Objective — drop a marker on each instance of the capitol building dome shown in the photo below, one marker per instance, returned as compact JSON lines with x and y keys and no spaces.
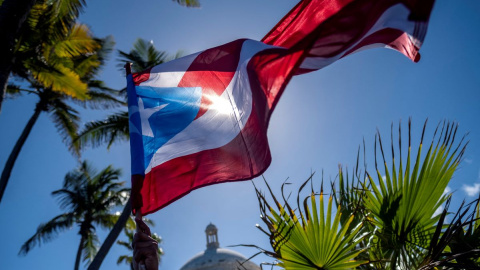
{"x":216,"y":258}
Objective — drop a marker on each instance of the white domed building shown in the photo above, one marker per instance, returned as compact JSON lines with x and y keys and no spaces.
{"x":216,"y":258}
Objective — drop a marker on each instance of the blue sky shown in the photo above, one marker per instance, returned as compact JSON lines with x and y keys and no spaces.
{"x":319,"y":122}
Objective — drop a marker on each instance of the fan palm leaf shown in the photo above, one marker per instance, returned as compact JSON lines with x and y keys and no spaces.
{"x":314,"y":238}
{"x":393,"y":218}
{"x":404,"y":202}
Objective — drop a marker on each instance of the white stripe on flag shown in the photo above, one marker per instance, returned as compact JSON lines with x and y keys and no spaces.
{"x":170,"y":74}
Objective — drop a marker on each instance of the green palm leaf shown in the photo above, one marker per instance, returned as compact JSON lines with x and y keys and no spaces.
{"x":63,"y":80}
{"x":65,"y":118}
{"x":114,"y":128}
{"x":143,"y":56}
{"x":404,"y":203}
{"x":77,"y":42}
{"x":316,"y":240}
{"x":188,"y":3}
{"x":387,"y":223}
{"x":90,"y":247}
{"x":47,"y":231}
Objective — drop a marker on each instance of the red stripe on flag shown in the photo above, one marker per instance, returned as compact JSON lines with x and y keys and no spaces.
{"x":302,"y":20}
{"x":213,"y":70}
{"x":327,"y":28}
{"x":270,"y":71}
{"x":140,"y":77}
{"x":394,"y":38}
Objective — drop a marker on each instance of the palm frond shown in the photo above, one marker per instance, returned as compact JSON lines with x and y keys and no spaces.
{"x":66,"y":119}
{"x":125,"y":258}
{"x":188,"y":3}
{"x":102,"y":100}
{"x":106,"y":220}
{"x":13,"y":91}
{"x":144,"y":55}
{"x":114,"y":128}
{"x":317,"y":241}
{"x":92,"y":195}
{"x":65,"y":11}
{"x":68,"y":198}
{"x":404,"y":202}
{"x":90,"y":247}
{"x":63,"y":81}
{"x":47,"y":231}
{"x":465,"y":244}
{"x":455,"y":244}
{"x":79,"y":41}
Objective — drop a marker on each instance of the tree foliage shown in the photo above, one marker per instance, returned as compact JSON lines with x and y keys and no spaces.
{"x":88,"y":198}
{"x":384,"y":220}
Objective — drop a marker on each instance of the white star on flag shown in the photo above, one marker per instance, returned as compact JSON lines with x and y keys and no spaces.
{"x":145,"y":115}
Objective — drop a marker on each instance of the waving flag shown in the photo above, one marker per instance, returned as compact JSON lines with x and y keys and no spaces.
{"x":202,"y":119}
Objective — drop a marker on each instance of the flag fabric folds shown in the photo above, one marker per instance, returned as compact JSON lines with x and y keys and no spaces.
{"x":202,"y":119}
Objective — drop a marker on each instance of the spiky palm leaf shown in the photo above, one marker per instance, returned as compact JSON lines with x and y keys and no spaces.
{"x":404,"y":202}
{"x":397,"y":212}
{"x":312,"y":239}
{"x":456,"y":244}
{"x":465,"y":242}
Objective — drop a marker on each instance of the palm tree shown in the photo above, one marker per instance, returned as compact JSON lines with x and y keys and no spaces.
{"x":13,"y":14}
{"x":87,"y":197}
{"x":59,"y":69}
{"x":129,"y":231}
{"x":389,"y":223}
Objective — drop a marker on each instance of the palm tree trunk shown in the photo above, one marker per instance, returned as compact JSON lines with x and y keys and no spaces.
{"x":7,"y":170}
{"x":112,"y":236}
{"x":79,"y":252}
{"x":13,"y":14}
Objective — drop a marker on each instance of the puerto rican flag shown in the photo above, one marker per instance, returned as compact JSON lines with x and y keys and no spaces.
{"x":202,"y":119}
